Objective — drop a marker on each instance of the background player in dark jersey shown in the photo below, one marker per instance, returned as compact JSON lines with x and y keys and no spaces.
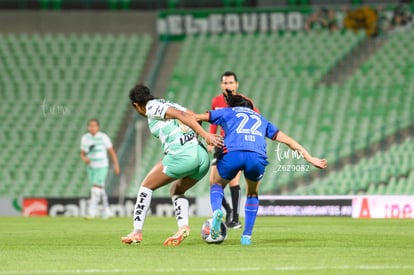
{"x":228,"y":81}
{"x":245,"y":149}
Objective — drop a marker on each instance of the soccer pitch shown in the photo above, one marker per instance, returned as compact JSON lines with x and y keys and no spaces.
{"x":44,"y":245}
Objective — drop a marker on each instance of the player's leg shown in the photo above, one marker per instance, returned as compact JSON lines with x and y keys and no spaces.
{"x":250,"y":210}
{"x":197,"y":167}
{"x":228,"y":167}
{"x":94,"y":201}
{"x":253,"y":172}
{"x":218,"y":154}
{"x":181,"y":207}
{"x":235,"y":200}
{"x":155,"y":179}
{"x":224,"y":203}
{"x":95,"y":192}
{"x":100,"y":177}
{"x":105,"y":202}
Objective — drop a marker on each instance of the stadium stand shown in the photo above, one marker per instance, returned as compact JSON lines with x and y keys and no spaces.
{"x":388,"y":172}
{"x":50,"y":85}
{"x":281,"y":72}
{"x":382,"y":105}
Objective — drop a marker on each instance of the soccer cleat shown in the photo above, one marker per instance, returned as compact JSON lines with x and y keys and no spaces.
{"x":132,"y":238}
{"x":234,"y":225}
{"x":178,"y":237}
{"x":216,"y":224}
{"x":245,"y":240}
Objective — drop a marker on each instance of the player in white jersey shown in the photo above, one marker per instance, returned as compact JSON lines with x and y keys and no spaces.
{"x":94,"y":148}
{"x":185,"y":160}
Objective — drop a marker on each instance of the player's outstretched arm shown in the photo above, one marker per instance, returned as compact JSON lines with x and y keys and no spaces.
{"x":213,"y":127}
{"x":294,"y":145}
{"x":190,"y":120}
{"x":202,"y":117}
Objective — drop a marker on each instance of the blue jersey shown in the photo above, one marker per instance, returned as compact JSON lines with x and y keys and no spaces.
{"x":245,"y":129}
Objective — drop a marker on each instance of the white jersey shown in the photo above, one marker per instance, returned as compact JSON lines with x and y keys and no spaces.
{"x":171,"y":132}
{"x":96,"y":148}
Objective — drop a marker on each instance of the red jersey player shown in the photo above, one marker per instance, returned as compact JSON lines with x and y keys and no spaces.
{"x":228,"y":81}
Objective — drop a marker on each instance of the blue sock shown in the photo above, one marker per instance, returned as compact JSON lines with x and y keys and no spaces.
{"x":250,"y":212}
{"x":216,"y":196}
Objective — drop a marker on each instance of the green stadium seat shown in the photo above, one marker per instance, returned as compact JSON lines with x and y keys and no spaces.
{"x":61,"y":71}
{"x":333,"y":121}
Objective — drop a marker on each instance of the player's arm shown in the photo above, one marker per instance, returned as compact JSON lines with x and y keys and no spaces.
{"x":114,"y":158}
{"x":213,"y":128}
{"x":187,"y":119}
{"x":84,"y":157}
{"x":204,"y":117}
{"x":294,"y":145}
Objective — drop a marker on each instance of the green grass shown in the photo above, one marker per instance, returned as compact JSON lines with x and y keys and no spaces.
{"x":280,"y":245}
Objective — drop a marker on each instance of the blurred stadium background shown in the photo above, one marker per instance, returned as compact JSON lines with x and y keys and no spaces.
{"x":338,"y":76}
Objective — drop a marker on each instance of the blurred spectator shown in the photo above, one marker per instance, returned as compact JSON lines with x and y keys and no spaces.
{"x":401,"y":19}
{"x":331,"y":22}
{"x":363,"y":18}
{"x":322,"y":19}
{"x":383,"y":21}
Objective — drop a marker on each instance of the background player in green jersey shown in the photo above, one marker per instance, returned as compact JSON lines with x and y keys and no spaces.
{"x":94,"y":148}
{"x":185,"y":160}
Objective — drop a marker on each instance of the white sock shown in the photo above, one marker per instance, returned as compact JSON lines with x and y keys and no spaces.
{"x":181,"y":206}
{"x":94,"y":201}
{"x":141,"y":207}
{"x":105,"y":203}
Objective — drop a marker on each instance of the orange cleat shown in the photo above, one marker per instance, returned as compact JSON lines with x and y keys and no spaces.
{"x":132,"y":238}
{"x":178,"y":237}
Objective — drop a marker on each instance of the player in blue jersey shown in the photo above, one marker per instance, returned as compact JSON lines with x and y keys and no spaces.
{"x":245,"y":149}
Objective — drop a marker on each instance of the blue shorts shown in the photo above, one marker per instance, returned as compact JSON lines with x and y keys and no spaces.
{"x":251,"y":163}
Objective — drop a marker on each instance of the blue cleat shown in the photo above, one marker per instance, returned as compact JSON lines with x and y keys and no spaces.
{"x":216,"y":224}
{"x":245,"y":240}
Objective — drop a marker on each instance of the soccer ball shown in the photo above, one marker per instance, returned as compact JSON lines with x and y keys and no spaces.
{"x":205,"y":233}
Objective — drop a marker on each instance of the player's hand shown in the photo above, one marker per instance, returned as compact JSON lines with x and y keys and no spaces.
{"x":214,"y":140}
{"x":116,"y":170}
{"x":87,"y":161}
{"x":319,"y":163}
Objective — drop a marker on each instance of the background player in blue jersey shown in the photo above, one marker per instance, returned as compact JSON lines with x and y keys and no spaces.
{"x":245,"y":149}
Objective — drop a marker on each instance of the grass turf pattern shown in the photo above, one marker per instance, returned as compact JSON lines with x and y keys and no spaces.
{"x":288,"y":245}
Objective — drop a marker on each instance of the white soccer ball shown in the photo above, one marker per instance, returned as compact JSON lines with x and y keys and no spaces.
{"x":205,"y":233}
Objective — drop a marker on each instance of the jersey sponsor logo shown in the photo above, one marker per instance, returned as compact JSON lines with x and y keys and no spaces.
{"x":186,"y":138}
